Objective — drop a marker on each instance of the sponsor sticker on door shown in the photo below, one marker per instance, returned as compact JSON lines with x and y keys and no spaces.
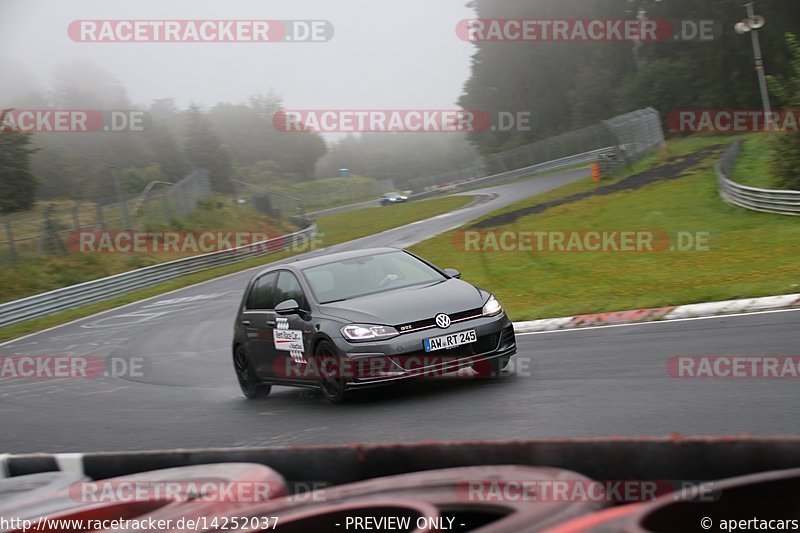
{"x":289,"y":340}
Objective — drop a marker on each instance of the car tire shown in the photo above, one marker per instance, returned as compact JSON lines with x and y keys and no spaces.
{"x":334,"y":388}
{"x":250,"y":384}
{"x":491,"y":368}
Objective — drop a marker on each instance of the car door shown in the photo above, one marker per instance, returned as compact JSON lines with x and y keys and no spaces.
{"x":294,"y":331}
{"x":258,"y":320}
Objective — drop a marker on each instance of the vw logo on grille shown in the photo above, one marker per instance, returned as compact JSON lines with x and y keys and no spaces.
{"x":443,"y":321}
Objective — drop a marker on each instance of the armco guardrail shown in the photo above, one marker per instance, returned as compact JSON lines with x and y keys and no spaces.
{"x":97,"y":290}
{"x":101,"y":289}
{"x":770,"y":201}
{"x":343,"y":208}
{"x":549,"y":166}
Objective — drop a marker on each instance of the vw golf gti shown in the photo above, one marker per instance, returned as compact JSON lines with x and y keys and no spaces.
{"x":364,"y":318}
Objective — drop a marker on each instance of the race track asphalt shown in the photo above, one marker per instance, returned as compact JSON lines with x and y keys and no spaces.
{"x":600,"y":381}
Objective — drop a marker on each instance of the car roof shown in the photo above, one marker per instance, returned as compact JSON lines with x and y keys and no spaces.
{"x":299,"y":264}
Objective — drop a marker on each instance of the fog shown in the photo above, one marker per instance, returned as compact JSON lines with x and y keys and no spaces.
{"x":383,"y":54}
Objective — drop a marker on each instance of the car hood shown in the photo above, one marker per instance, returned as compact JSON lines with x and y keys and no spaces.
{"x":402,"y":306}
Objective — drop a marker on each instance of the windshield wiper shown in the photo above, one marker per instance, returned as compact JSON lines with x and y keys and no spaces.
{"x":334,"y":301}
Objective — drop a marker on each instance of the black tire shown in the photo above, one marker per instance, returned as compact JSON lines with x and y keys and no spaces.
{"x":332,"y":385}
{"x":250,"y":384}
{"x":491,"y":368}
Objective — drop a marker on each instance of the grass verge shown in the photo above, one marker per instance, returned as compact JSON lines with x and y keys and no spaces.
{"x":350,"y":225}
{"x":754,"y":165}
{"x":749,"y":254}
{"x":336,"y":228}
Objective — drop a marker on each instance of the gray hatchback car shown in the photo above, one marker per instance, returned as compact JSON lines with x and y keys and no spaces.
{"x":365,"y":318}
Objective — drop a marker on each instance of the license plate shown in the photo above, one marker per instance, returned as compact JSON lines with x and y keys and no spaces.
{"x":450,"y":341}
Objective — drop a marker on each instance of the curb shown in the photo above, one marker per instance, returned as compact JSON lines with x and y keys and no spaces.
{"x":707,"y":309}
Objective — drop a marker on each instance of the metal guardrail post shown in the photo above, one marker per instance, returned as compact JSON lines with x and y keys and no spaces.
{"x":782,"y":202}
{"x":81,"y":294}
{"x":104,"y":288}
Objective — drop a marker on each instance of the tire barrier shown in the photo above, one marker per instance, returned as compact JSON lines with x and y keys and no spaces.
{"x":391,"y":515}
{"x":472,"y":496}
{"x":33,"y":487}
{"x":606,"y":521}
{"x":173,"y":491}
{"x":407,"y":483}
{"x":771,"y":495}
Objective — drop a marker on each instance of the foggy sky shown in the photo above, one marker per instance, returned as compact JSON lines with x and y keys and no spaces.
{"x":384,"y":55}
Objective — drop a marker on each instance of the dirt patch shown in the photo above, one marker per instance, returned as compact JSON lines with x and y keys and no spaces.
{"x":673,"y":169}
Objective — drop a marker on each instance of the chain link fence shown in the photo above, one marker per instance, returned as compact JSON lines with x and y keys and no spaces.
{"x":45,"y":229}
{"x":629,"y":135}
{"x":160,"y":205}
{"x":314,"y":196}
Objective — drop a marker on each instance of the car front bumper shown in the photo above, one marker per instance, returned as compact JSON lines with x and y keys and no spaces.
{"x":404,"y":357}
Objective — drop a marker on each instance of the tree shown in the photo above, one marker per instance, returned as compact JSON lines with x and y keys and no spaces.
{"x":568,"y":85}
{"x":135,"y":179}
{"x":203,"y":149}
{"x":249,"y":132}
{"x":17,"y":182}
{"x":786,"y":145}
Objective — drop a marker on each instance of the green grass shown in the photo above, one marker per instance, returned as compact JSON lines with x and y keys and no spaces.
{"x":336,"y":228}
{"x":753,"y":167}
{"x":751,"y":254}
{"x":467,"y":187}
{"x":332,"y":192}
{"x":33,"y":275}
{"x":673,"y":149}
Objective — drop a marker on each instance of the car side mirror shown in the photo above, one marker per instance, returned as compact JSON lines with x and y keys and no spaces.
{"x":453,"y":273}
{"x":287,"y":307}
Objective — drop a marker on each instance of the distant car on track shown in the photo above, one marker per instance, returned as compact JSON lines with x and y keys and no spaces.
{"x":391,"y":198}
{"x":364,"y":318}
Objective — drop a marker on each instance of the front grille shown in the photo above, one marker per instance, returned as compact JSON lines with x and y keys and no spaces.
{"x":431,"y":322}
{"x":487,"y":343}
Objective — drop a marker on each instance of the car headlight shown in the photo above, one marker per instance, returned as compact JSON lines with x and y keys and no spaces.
{"x":368,"y":332}
{"x":492,"y":307}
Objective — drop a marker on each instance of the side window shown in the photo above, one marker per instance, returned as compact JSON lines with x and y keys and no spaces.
{"x":262,"y":294}
{"x":288,"y":288}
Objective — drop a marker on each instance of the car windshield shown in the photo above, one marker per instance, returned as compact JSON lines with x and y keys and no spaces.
{"x":351,"y":278}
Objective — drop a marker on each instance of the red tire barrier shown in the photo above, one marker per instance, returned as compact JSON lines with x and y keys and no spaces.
{"x":116,"y":511}
{"x":605,"y":521}
{"x":199,"y":488}
{"x":473,"y":496}
{"x":390,"y":514}
{"x":771,"y":495}
{"x":16,"y":491}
